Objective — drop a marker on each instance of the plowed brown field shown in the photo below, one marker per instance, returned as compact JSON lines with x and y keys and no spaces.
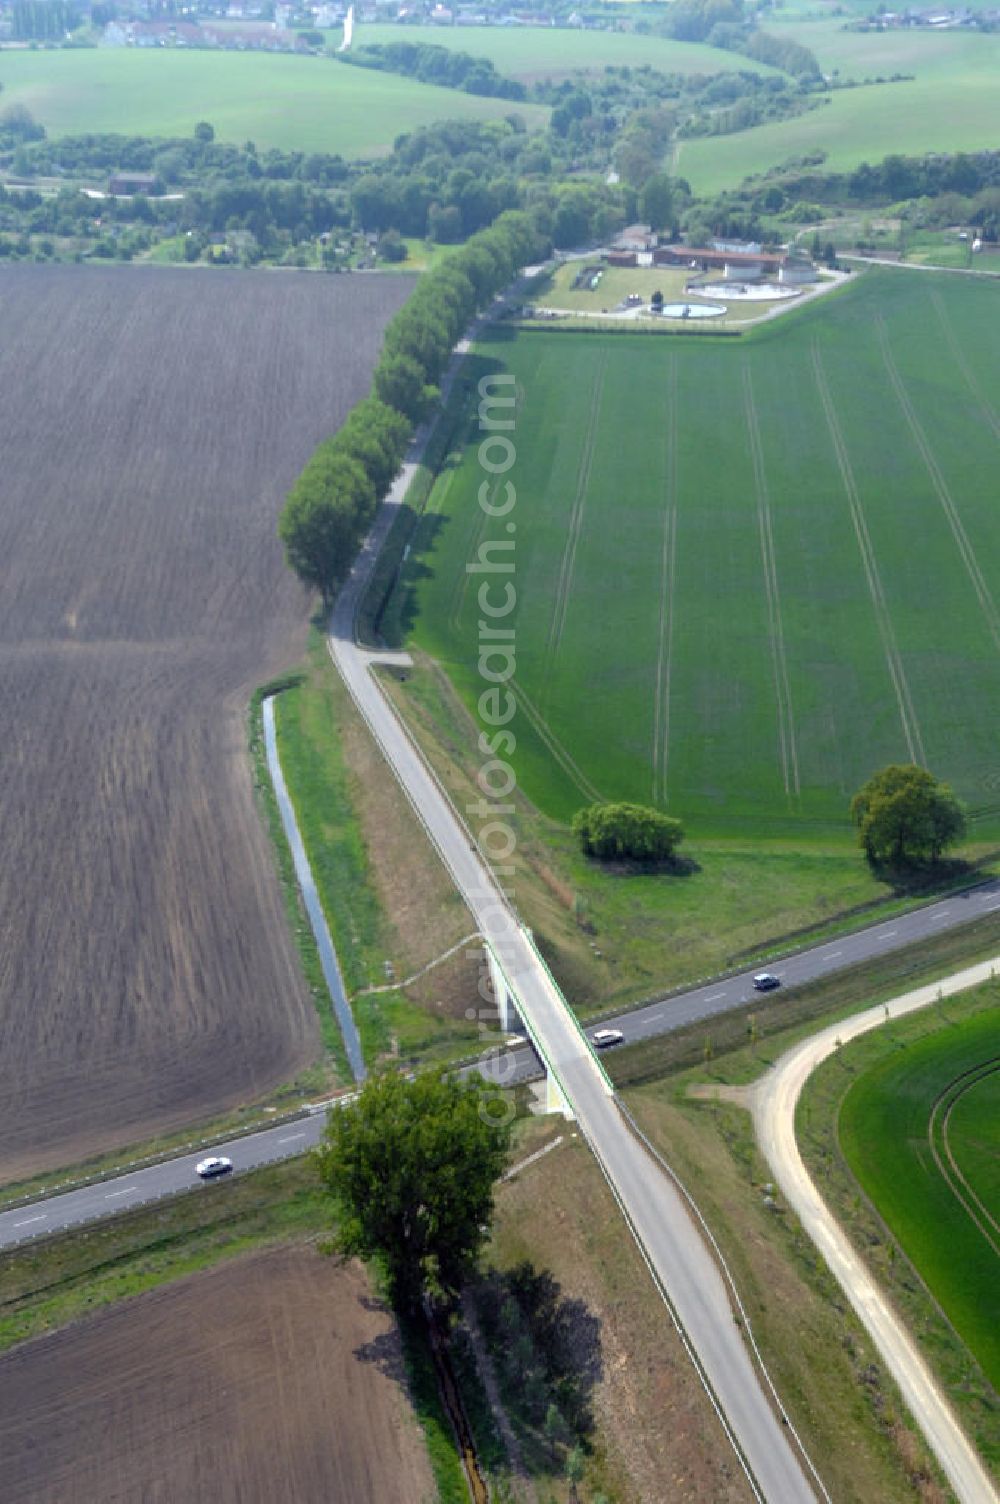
{"x":274,"y":1377}
{"x":150,"y":423}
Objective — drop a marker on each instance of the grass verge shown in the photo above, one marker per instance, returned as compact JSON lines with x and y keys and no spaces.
{"x":770,"y":1025}
{"x":297,"y":918}
{"x":618,"y":937}
{"x":826,"y":1370}
{"x":56,"y":1280}
{"x":389,"y":904}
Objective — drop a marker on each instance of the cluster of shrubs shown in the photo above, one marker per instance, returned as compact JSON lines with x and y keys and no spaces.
{"x":331,"y":505}
{"x":627,"y":832}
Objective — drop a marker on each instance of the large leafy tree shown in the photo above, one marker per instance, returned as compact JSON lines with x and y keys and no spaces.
{"x":411,"y":1165}
{"x":325,"y":517}
{"x":904,"y":814}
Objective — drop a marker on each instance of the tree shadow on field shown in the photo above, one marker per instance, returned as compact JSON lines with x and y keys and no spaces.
{"x":547,"y":1352}
{"x":913,"y":878}
{"x":384,"y":1352}
{"x":395,"y":613}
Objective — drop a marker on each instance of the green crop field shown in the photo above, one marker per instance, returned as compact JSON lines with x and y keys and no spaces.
{"x":952,"y":104}
{"x":535,"y":52}
{"x":748,"y":571}
{"x":303,"y":103}
{"x":921,"y":1131}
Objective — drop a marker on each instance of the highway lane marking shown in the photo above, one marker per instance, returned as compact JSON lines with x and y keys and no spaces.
{"x":888,"y":934}
{"x":28,"y":1220}
{"x":834,"y":954}
{"x":291,"y":1137}
{"x":129,"y":1190}
{"x":714,"y":998}
{"x":654,"y":1018}
{"x":935,"y":918}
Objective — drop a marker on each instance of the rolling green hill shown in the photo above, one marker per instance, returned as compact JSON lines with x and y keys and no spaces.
{"x":305,"y":103}
{"x":953,"y":104}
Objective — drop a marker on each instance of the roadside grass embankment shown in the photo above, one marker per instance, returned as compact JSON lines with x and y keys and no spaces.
{"x":389,"y":904}
{"x":57,"y":1280}
{"x":617,"y":937}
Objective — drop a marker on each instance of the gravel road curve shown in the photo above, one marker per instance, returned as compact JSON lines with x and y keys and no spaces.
{"x":775,"y":1098}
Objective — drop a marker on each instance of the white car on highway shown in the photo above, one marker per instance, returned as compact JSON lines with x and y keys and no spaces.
{"x":602,"y":1038}
{"x":216,"y":1165}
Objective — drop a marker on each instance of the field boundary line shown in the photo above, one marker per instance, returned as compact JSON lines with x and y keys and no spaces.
{"x":564,"y":758}
{"x":963,"y":365}
{"x":883,"y":618}
{"x":564,"y":586}
{"x":963,"y":1192}
{"x":779,"y":661}
{"x":668,"y":571}
{"x":962,"y":540}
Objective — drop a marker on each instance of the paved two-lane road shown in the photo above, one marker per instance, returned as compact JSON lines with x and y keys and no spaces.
{"x":90,"y":1203}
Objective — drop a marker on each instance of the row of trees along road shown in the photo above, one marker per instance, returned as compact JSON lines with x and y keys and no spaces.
{"x":330,"y":507}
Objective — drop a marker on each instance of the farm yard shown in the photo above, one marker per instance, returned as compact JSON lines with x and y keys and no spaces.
{"x":748,"y":572}
{"x":919,"y":1129}
{"x":300,"y":103}
{"x":152,"y":421}
{"x":172,"y":1395}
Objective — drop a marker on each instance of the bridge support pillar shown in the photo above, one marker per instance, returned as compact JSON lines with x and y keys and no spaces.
{"x":554,"y":1099}
{"x":509,"y":1020}
{"x":506,"y":1010}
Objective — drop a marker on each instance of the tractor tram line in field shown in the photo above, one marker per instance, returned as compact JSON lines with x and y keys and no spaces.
{"x":564,"y":587}
{"x":962,"y":540}
{"x":779,"y":661}
{"x":985,"y":407}
{"x":668,"y":571}
{"x":893,"y":658}
{"x":948,"y":1168}
{"x":544,"y":732}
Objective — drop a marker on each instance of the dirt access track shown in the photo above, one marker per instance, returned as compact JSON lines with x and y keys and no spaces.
{"x":270,"y":1377}
{"x":151,"y":422}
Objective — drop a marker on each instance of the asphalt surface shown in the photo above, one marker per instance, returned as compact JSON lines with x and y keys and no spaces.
{"x":90,"y":1203}
{"x":774,"y":1098}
